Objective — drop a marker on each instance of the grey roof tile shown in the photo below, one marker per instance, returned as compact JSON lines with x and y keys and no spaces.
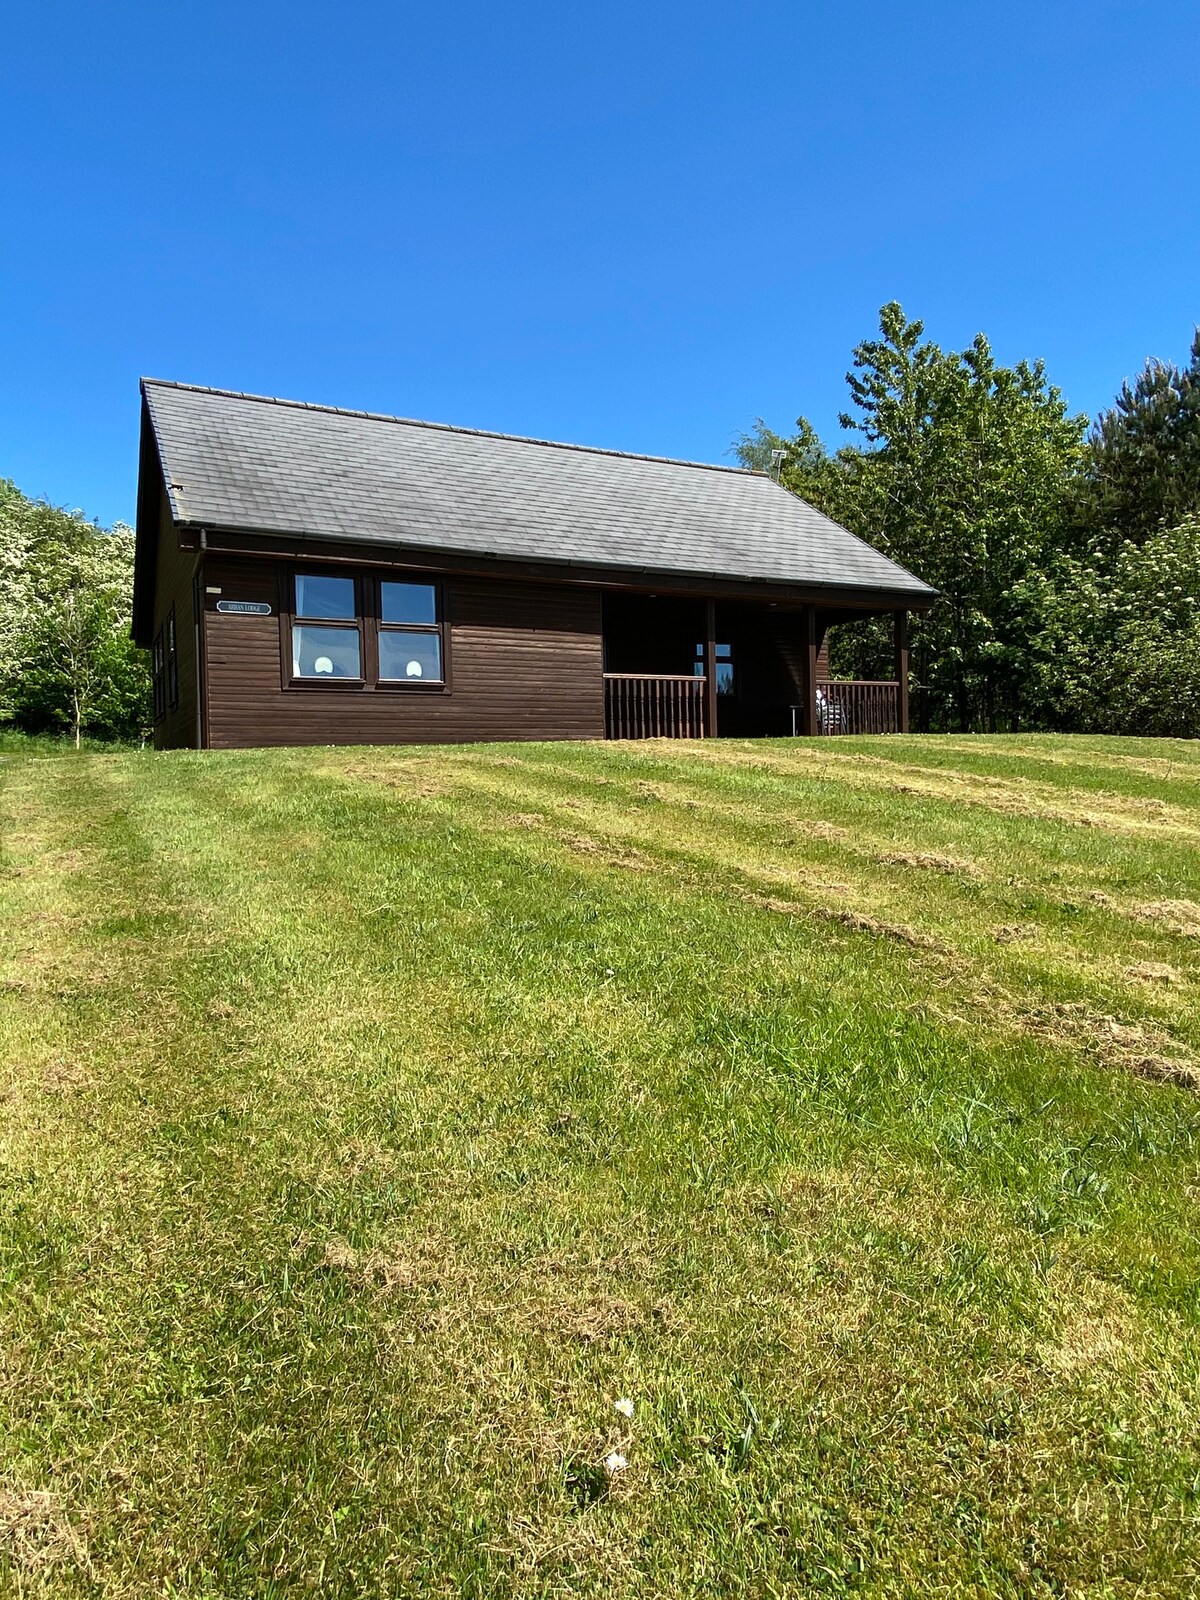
{"x":278,"y":466}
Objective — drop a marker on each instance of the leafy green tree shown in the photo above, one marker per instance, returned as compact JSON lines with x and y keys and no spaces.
{"x":67,"y":662}
{"x":961,"y":479}
{"x":801,"y":463}
{"x":1143,"y":461}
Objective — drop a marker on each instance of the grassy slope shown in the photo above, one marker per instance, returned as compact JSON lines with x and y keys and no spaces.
{"x":372,"y":1120}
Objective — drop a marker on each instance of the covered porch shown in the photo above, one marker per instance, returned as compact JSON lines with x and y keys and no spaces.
{"x":687,"y":667}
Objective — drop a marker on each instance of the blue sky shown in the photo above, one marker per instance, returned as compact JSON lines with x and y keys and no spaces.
{"x":637,"y":225}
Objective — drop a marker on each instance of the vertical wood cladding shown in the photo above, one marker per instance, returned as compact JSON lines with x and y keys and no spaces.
{"x":523,"y":662}
{"x":173,"y":586}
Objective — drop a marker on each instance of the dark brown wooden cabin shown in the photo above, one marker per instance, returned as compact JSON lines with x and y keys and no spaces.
{"x":313,"y":576}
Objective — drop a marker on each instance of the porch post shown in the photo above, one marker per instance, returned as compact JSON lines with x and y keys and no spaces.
{"x":710,"y":669}
{"x":808,"y":672}
{"x":901,"y":644}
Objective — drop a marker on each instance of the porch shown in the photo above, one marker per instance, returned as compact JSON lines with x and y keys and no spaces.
{"x":682,"y":668}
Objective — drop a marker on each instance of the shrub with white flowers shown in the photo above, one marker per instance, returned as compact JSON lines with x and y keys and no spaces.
{"x":1119,"y":650}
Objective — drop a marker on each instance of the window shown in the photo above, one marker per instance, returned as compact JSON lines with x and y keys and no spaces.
{"x":410,"y":635}
{"x":172,"y":684}
{"x":158,"y":669}
{"x":165,"y":668}
{"x":326,"y":631}
{"x":724,"y":667}
{"x":320,"y":596}
{"x":414,"y":603}
{"x":373,"y":634}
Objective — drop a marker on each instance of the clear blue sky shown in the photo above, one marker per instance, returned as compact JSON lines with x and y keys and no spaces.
{"x":636,"y":224}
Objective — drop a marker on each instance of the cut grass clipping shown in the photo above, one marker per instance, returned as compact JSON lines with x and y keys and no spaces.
{"x":375,"y":1121}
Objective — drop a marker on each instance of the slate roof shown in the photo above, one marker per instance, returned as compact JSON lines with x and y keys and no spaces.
{"x":252,"y":464}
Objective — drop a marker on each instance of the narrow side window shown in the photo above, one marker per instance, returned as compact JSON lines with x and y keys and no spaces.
{"x":172,"y":663}
{"x":158,"y":669}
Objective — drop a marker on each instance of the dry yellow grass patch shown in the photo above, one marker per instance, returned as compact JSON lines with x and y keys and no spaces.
{"x":418,"y":780}
{"x":612,"y":854}
{"x":855,"y":921}
{"x":425,"y":1264}
{"x":1088,"y":1341}
{"x":1177,"y":916}
{"x":931,"y":862}
{"x":553,"y":1296}
{"x":1097,"y":1328}
{"x":860,"y":922}
{"x":65,"y":1077}
{"x":907,"y":1200}
{"x":1126,"y":1046}
{"x":1154,"y":972}
{"x":36,"y":1532}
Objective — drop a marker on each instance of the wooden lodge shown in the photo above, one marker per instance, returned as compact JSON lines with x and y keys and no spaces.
{"x":313,"y":576}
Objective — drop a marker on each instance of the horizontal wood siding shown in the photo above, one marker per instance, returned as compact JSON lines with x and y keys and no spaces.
{"x":173,"y":586}
{"x":523,"y":662}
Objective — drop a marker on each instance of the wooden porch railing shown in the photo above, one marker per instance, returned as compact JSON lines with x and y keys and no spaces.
{"x":639,"y":705}
{"x":862,"y":705}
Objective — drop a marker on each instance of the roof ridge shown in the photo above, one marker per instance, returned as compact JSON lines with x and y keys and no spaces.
{"x":450,"y":427}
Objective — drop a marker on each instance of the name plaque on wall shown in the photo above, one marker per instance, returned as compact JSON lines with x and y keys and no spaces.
{"x":244,"y":608}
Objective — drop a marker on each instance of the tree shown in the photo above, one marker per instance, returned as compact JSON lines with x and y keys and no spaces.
{"x":1143,"y":460}
{"x":962,"y":480}
{"x":16,"y":596}
{"x":801,"y":463}
{"x":67,"y":661}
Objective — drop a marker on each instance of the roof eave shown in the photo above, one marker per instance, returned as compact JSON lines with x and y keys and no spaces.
{"x":857,"y":537}
{"x":888,"y":597}
{"x":146,"y":530}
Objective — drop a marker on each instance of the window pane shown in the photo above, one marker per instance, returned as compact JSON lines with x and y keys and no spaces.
{"x":324,"y":597}
{"x":410,"y":655}
{"x":408,"y":602}
{"x":724,"y":674}
{"x":325,"y":652}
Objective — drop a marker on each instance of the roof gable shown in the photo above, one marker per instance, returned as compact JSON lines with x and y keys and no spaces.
{"x":246,"y":463}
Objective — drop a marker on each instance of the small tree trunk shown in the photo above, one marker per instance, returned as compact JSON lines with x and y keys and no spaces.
{"x":77,"y":718}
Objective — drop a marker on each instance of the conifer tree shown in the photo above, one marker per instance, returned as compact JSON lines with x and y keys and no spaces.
{"x":1143,"y":465}
{"x":962,"y":481}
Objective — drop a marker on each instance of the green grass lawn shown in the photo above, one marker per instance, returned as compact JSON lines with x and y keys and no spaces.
{"x":372,"y":1121}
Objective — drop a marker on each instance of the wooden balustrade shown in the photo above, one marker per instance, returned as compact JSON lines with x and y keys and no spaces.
{"x":862,"y":705}
{"x":647,"y":705}
{"x":639,"y":705}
